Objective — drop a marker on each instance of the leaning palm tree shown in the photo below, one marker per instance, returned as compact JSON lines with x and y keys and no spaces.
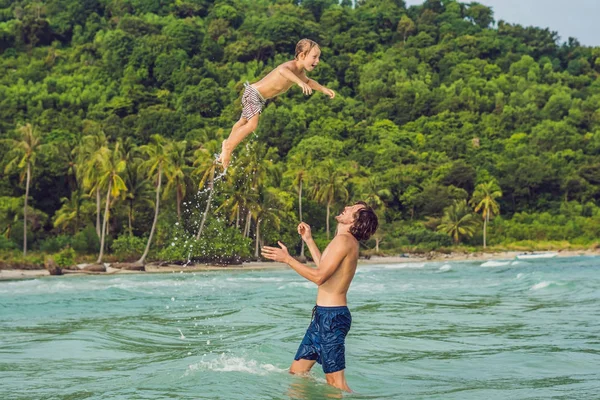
{"x":299,"y":172}
{"x":22,"y":157}
{"x":111,"y":166}
{"x":157,"y":162}
{"x":458,"y":221}
{"x":484,"y":199}
{"x":330,"y":186}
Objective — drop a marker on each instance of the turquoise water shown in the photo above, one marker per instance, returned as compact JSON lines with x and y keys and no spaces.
{"x":463,"y":330}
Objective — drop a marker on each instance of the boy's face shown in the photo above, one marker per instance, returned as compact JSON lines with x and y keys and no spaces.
{"x":311,"y":60}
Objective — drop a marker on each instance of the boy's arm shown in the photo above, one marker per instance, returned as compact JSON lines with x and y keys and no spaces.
{"x":317,"y":86}
{"x":288,"y":74}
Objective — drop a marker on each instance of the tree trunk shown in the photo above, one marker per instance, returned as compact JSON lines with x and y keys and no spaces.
{"x":256,"y":246}
{"x":327,"y":224}
{"x":210,"y":194}
{"x":130,"y":217}
{"x":377,"y":240}
{"x":237,"y":218}
{"x":104,"y":223}
{"x":98,"y":200}
{"x":147,"y":249}
{"x":25,"y":209}
{"x":178,"y":204}
{"x":485,"y":221}
{"x":300,"y":215}
{"x":248,"y":222}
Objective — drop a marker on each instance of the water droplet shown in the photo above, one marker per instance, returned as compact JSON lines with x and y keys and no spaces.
{"x":208,"y":342}
{"x":172,"y":298}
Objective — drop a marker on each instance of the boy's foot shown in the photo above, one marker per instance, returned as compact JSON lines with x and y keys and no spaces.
{"x":225,"y":157}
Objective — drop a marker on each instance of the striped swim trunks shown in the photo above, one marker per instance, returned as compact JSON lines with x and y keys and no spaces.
{"x":252,"y":102}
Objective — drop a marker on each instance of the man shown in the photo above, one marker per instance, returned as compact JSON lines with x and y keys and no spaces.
{"x":324,"y":339}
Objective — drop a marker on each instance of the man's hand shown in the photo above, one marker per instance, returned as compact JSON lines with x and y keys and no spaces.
{"x":305,"y":88}
{"x":275,"y":253}
{"x":304,"y":231}
{"x":329,"y":92}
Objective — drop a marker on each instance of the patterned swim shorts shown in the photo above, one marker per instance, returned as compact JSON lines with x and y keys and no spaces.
{"x":252,"y":102}
{"x":325,"y":338}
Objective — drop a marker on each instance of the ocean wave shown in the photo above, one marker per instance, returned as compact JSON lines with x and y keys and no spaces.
{"x":306,"y":285}
{"x":263,"y":279}
{"x":225,"y":363}
{"x":541,"y":285}
{"x":408,"y":265}
{"x":445,"y":268}
{"x":495,"y":264}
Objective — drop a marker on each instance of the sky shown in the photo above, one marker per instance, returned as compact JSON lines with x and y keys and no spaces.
{"x":575,"y":18}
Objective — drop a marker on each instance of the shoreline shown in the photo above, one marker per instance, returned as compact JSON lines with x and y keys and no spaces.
{"x":155,"y":268}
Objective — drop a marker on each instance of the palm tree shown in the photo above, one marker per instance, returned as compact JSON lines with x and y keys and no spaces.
{"x":111,"y":166}
{"x":484,"y":199}
{"x":157,"y":162}
{"x":268,"y":210}
{"x":372,"y":190}
{"x":89,"y":168}
{"x":177,"y":172}
{"x":458,"y":221}
{"x":139,"y":189}
{"x":70,"y":212}
{"x":205,"y":168}
{"x":299,"y":173}
{"x":22,"y":157}
{"x":330,"y":186}
{"x":255,"y":167}
{"x":237,"y":195}
{"x":10,"y":211}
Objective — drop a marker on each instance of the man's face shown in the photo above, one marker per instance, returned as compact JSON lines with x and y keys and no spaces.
{"x":348,"y":214}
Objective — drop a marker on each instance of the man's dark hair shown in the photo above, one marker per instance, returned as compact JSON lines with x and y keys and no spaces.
{"x":365,"y":224}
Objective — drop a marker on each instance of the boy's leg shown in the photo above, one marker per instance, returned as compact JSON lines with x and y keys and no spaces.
{"x":238,"y":133}
{"x":338,"y":379}
{"x":301,"y":366}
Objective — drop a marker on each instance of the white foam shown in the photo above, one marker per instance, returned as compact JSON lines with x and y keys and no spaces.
{"x":541,"y":285}
{"x":306,"y":285}
{"x":408,"y":265}
{"x":520,"y":275}
{"x":265,"y":279}
{"x":226,"y":363}
{"x":495,"y":263}
{"x":445,"y":268}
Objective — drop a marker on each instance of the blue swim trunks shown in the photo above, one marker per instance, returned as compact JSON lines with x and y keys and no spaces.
{"x":325,"y":337}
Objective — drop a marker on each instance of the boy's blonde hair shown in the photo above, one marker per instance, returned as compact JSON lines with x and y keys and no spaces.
{"x":304,"y":46}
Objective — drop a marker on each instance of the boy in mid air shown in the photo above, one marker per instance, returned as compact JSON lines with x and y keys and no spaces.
{"x":275,"y":83}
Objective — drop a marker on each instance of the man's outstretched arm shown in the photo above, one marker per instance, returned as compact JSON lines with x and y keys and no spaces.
{"x":338,"y":249}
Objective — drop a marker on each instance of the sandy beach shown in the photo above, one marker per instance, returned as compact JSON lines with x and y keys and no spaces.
{"x":10,"y":274}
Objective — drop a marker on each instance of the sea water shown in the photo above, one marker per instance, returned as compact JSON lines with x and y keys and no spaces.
{"x":461,"y":330}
